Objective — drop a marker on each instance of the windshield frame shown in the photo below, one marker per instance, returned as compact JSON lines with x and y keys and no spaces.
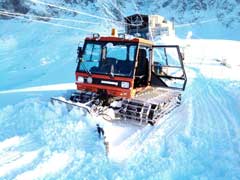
{"x":103,"y":43}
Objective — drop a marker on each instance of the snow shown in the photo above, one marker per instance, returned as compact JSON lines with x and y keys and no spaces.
{"x":38,"y":140}
{"x":57,"y":162}
{"x":15,"y":161}
{"x":55,"y":87}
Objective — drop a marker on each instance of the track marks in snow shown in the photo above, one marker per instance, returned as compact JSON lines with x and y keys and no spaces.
{"x":225,"y":130}
{"x":201,"y":136}
{"x":230,"y":118}
{"x":214,"y":128}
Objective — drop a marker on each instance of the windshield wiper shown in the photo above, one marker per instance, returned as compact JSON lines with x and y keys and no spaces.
{"x":112,"y":71}
{"x":86,"y":70}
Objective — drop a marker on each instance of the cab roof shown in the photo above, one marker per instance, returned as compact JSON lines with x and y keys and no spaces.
{"x":120,"y":39}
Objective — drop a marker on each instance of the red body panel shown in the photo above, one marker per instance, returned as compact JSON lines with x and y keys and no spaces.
{"x":111,"y":90}
{"x":117,"y":39}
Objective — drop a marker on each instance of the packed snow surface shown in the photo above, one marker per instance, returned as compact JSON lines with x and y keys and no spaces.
{"x":38,"y":140}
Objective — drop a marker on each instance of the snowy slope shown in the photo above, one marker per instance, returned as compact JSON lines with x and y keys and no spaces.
{"x":198,"y":140}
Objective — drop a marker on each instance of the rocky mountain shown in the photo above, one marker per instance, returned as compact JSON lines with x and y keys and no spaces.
{"x":182,"y":11}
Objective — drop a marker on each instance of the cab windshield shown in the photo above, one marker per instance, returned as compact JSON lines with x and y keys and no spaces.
{"x":108,"y":58}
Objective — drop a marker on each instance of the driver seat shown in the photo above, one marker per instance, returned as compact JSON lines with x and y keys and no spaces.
{"x":141,"y":74}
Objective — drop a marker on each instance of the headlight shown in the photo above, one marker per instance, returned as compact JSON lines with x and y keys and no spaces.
{"x":89,"y":80}
{"x":125,"y":84}
{"x":80,"y":79}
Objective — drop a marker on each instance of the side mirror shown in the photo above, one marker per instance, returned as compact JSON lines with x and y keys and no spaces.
{"x":79,"y":52}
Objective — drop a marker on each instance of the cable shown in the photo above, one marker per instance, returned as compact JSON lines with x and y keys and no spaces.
{"x":44,"y":22}
{"x":124,"y":16}
{"x":134,"y":3}
{"x":118,"y":8}
{"x":48,"y":17}
{"x":141,"y":19}
{"x":190,"y":24}
{"x":79,"y":12}
{"x":75,"y":11}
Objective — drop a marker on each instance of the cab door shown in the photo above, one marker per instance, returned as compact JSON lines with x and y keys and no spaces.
{"x":167,"y":67}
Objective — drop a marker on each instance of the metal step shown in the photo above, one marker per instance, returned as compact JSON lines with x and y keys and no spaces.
{"x":147,"y":111}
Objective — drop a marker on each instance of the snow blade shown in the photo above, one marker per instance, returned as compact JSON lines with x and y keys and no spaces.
{"x":70,"y":104}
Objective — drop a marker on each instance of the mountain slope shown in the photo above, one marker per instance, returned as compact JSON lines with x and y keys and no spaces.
{"x":38,"y":140}
{"x":226,"y":11}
